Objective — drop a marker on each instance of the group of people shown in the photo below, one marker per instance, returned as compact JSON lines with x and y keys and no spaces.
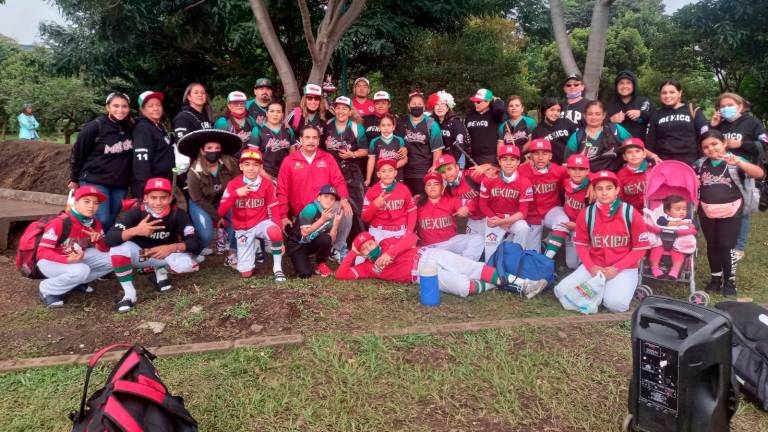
{"x":350,"y":181}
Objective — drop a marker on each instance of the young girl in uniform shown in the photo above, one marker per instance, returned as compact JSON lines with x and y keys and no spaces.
{"x":632,"y":175}
{"x":274,"y":140}
{"x":386,"y":146}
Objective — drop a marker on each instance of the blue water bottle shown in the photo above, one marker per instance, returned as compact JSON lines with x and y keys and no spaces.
{"x":429,"y":289}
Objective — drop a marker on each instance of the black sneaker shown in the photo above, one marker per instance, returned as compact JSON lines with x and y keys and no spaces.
{"x":160,"y":286}
{"x":261,"y":257}
{"x":83,"y":288}
{"x":729,"y":288}
{"x":52,"y":301}
{"x":124,"y":305}
{"x":715,"y":284}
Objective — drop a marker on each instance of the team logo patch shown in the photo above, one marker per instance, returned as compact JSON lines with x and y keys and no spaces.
{"x":189,"y":230}
{"x":491,"y":237}
{"x":242,"y":239}
{"x":50,"y":235}
{"x":644,"y":237}
{"x":322,"y":164}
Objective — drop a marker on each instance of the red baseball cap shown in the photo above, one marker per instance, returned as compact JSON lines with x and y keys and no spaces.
{"x":445,"y":159}
{"x":360,"y":240}
{"x":252,"y":154}
{"x":158,"y":184}
{"x":577,"y":161}
{"x":604,"y":175}
{"x":433,"y":175}
{"x":88,"y":190}
{"x":381,"y":162}
{"x":632,"y":142}
{"x":540,"y":144}
{"x":508,"y":150}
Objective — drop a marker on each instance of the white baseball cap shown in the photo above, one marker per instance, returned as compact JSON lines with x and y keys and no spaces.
{"x":381,"y":95}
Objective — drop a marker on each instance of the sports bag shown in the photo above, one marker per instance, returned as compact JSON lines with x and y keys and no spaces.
{"x":749,"y":349}
{"x":511,"y":260}
{"x":133,"y":399}
{"x":26,"y":254}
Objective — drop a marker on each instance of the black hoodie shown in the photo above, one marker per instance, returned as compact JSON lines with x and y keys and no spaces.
{"x":638,"y":127}
{"x":189,"y":120}
{"x":102,"y":153}
{"x":751,"y":132}
{"x":153,"y":154}
{"x":483,"y":131}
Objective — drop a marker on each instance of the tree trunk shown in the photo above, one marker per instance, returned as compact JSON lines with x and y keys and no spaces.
{"x":593,"y":68}
{"x":561,"y":37}
{"x":68,"y":136}
{"x":276,"y":52}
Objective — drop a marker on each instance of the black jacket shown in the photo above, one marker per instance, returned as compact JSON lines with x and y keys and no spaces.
{"x":153,"y":154}
{"x":638,"y":127}
{"x":556,"y":133}
{"x":673,"y":133}
{"x":751,"y":132}
{"x":189,"y":120}
{"x":102,"y":153}
{"x":177,"y":227}
{"x":454,"y":133}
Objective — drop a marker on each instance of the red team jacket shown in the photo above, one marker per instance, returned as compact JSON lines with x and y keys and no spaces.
{"x":436,"y":221}
{"x":402,"y":249}
{"x":546,"y":189}
{"x":609,"y":243}
{"x":299,"y":181}
{"x":47,"y":248}
{"x":400,"y":209}
{"x":632,"y":188}
{"x":505,"y":199}
{"x":250,"y":210}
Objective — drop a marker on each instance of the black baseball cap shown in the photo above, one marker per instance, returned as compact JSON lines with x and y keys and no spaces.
{"x":329,"y":190}
{"x":263,"y":82}
{"x":575,"y":76}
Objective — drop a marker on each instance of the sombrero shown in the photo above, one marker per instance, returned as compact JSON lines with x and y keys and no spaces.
{"x":190,"y":144}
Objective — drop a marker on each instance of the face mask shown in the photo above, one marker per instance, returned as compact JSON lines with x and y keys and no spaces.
{"x":212,"y":156}
{"x":729,"y":112}
{"x":374,"y":254}
{"x":573,"y":95}
{"x":416,"y":111}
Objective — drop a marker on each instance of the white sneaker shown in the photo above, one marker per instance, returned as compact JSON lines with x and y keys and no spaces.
{"x":528,"y":287}
{"x":231,"y":261}
{"x":206,"y":251}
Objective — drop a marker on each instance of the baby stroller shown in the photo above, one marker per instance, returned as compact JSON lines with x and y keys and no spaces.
{"x":672,"y":178}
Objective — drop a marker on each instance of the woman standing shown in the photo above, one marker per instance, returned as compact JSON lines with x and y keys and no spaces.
{"x":675,"y":128}
{"x":312,"y":110}
{"x":28,"y":124}
{"x":274,"y":140}
{"x":424,"y":142}
{"x":745,"y":137}
{"x":212,"y":168}
{"x":235,"y":118}
{"x":102,"y":156}
{"x":482,"y":124}
{"x":553,"y":128}
{"x":152,"y":146}
{"x":455,"y":136}
{"x":517,"y":129}
{"x":598,"y":141}
{"x":195,"y":114}
{"x":721,"y":206}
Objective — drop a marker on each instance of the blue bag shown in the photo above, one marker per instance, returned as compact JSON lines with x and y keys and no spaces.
{"x":511,"y":259}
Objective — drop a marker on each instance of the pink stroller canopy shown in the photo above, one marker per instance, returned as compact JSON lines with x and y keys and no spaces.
{"x":672,"y":177}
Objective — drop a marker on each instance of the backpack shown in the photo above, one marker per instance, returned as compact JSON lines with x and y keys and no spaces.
{"x":749,"y":188}
{"x":26,"y":254}
{"x":626,"y":210}
{"x":749,"y":348}
{"x":511,"y":259}
{"x":133,"y":399}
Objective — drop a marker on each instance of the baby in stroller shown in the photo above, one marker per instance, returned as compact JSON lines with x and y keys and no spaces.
{"x":672,"y":233}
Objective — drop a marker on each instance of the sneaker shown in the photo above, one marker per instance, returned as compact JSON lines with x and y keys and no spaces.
{"x":246,"y":275}
{"x":160,"y":286}
{"x":280,"y":276}
{"x":261,"y":257}
{"x":198,"y":259}
{"x":531,"y":288}
{"x":715,"y":284}
{"x":338,"y":255}
{"x":206,"y":252}
{"x":729,"y":288}
{"x":231,"y":261}
{"x":323,"y":270}
{"x":52,"y":301}
{"x":124,"y":305}
{"x":736,"y":255}
{"x":83,"y":288}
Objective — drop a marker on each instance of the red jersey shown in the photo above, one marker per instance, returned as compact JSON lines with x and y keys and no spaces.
{"x":632,"y":188}
{"x":546,"y":189}
{"x":399,"y":208}
{"x":502,"y":199}
{"x":78,"y":234}
{"x":609,"y":243}
{"x":249,"y":210}
{"x":299,"y":181}
{"x":574,"y":201}
{"x":467,"y":189}
{"x":364,"y":108}
{"x":405,"y":263}
{"x":436,"y":221}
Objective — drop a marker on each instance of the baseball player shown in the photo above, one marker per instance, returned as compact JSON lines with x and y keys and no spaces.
{"x":546,"y":178}
{"x":70,"y":260}
{"x":386,"y":146}
{"x":152,"y":235}
{"x":436,"y":221}
{"x":632,"y":176}
{"x":398,"y":260}
{"x":252,"y":199}
{"x":504,"y":200}
{"x":388,"y":207}
{"x":575,"y":199}
{"x":465,"y":185}
{"x":313,"y":233}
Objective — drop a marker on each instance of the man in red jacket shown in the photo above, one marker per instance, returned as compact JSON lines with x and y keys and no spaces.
{"x":302,"y":174}
{"x":398,"y":260}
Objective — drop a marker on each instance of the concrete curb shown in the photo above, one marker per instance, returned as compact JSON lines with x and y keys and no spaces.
{"x":36,"y":197}
{"x":296,"y":339}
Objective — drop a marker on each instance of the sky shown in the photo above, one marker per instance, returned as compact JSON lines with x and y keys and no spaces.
{"x":19,"y":19}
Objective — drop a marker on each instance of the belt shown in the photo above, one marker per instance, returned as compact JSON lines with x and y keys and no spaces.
{"x":390,"y":227}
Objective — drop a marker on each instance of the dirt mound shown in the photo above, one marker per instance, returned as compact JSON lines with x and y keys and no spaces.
{"x":34,"y":166}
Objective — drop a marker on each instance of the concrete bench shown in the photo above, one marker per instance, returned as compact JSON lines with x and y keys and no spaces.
{"x":25,"y":206}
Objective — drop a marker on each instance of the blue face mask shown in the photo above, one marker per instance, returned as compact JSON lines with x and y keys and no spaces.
{"x":729,"y":112}
{"x":573,"y":95}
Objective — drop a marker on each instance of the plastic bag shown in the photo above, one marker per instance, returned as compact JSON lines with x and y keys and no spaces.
{"x":586,"y":296}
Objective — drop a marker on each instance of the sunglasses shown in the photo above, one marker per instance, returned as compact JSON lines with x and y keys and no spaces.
{"x":479,"y":102}
{"x":313,"y":98}
{"x":573,"y":85}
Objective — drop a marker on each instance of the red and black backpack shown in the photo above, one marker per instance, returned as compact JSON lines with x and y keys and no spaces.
{"x":26,"y":254}
{"x":133,"y":399}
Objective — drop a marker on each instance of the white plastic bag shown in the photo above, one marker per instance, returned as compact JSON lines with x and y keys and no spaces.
{"x":182,"y":161}
{"x":586,"y":296}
